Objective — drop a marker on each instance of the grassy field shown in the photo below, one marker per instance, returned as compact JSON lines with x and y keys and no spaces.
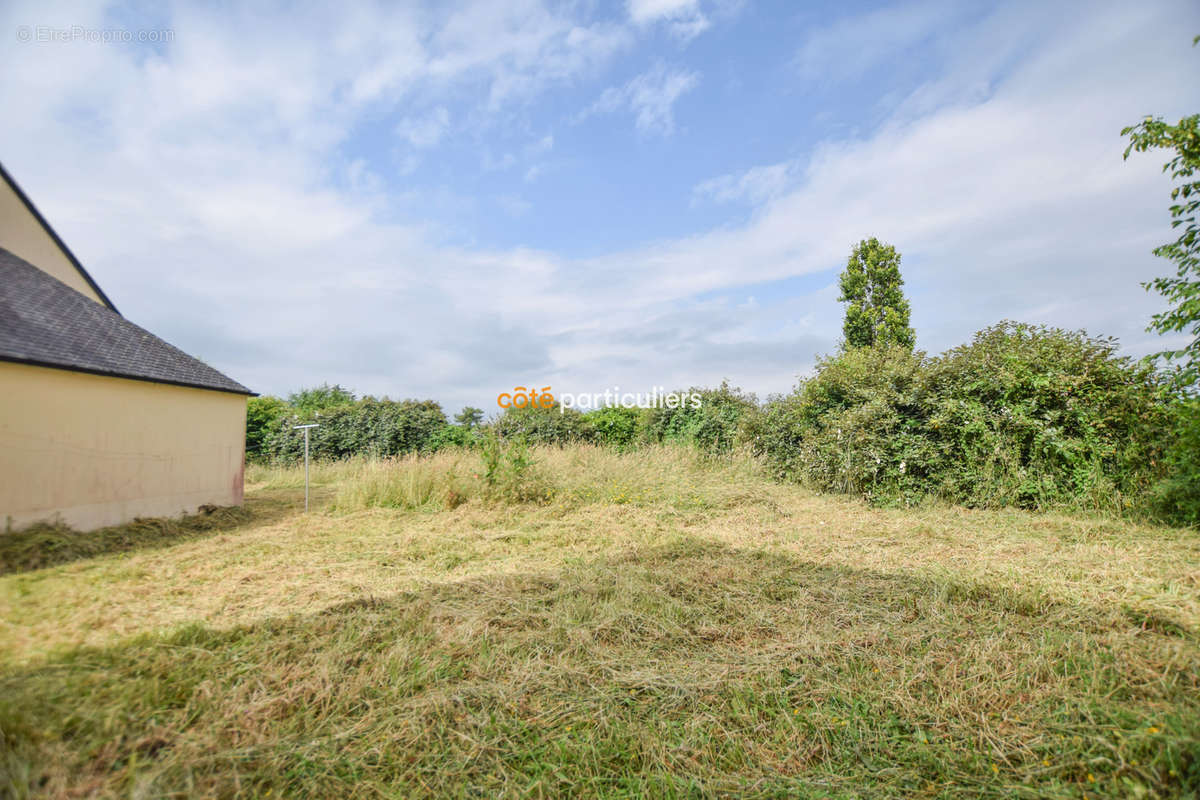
{"x":660,"y":625}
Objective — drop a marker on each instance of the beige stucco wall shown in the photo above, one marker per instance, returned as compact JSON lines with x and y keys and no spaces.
{"x":21,"y":233}
{"x":94,"y":451}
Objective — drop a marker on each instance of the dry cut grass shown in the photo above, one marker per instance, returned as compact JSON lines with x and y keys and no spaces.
{"x":661,"y":625}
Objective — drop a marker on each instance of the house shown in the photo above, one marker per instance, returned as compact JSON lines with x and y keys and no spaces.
{"x":101,"y":421}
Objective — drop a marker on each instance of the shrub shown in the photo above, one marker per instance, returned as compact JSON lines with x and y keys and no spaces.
{"x":448,"y":436}
{"x":711,"y":425}
{"x":369,"y":427}
{"x":1034,"y":417}
{"x":1024,"y":416}
{"x":857,"y":426}
{"x":1176,"y":496}
{"x":262,"y":415}
{"x":555,"y":425}
{"x":615,"y":426}
{"x":320,"y":398}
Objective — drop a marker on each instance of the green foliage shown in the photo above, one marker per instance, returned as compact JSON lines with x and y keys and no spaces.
{"x":555,"y":425}
{"x":368,"y":427}
{"x":615,"y":426}
{"x":1023,"y":416}
{"x":469,"y":417}
{"x":510,"y":473}
{"x":1037,"y":417}
{"x":857,"y":426}
{"x":707,"y":419}
{"x":319,"y":398}
{"x":1176,"y":498}
{"x":876,"y":311}
{"x":449,"y":436}
{"x":1182,"y":290}
{"x":262,"y":415}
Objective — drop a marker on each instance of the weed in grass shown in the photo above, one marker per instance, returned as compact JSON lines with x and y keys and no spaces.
{"x":511,"y":473}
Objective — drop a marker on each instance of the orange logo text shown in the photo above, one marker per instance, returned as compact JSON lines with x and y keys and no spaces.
{"x":520,"y":397}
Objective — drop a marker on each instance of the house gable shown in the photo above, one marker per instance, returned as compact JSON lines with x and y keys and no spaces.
{"x":25,"y":233}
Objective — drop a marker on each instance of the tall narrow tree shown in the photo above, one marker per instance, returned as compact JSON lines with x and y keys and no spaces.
{"x":876,"y":310}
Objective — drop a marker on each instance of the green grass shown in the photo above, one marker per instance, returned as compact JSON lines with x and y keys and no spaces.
{"x":661,"y":625}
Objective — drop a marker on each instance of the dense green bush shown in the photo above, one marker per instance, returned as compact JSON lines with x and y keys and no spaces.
{"x":554,"y":425}
{"x":615,"y":426}
{"x":1036,"y":417}
{"x":455,"y":436}
{"x":712,"y":424}
{"x":368,"y":427}
{"x":1023,"y":416}
{"x":1176,"y":496}
{"x":262,"y":415}
{"x":857,"y":426}
{"x":320,"y":398}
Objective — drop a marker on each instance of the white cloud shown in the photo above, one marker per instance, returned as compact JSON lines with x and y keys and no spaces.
{"x":683,"y":18}
{"x":521,"y":48}
{"x":530,"y":152}
{"x":425,"y":131}
{"x":646,"y":11}
{"x":754,"y":186}
{"x":542,"y":145}
{"x":650,"y":97}
{"x":853,"y":44}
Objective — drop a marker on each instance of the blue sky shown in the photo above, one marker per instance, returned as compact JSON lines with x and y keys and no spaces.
{"x":436,"y":200}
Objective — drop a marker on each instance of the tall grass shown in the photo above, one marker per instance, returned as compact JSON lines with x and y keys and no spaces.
{"x":411,"y":483}
{"x":680,"y":477}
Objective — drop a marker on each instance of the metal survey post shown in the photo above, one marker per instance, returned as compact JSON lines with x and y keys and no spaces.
{"x":305,"y":428}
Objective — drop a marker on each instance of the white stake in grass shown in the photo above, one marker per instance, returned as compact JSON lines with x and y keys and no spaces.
{"x":305,"y":429}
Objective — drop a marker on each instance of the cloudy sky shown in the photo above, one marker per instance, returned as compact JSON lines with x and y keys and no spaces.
{"x":416,"y":200}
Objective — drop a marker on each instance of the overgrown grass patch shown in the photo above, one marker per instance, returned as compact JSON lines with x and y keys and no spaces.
{"x":682,"y":478}
{"x":760,"y":641}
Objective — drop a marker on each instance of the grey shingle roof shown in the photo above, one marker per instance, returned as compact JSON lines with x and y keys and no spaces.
{"x":44,"y":321}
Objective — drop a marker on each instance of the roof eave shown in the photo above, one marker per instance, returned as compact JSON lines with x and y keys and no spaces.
{"x":107,"y":374}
